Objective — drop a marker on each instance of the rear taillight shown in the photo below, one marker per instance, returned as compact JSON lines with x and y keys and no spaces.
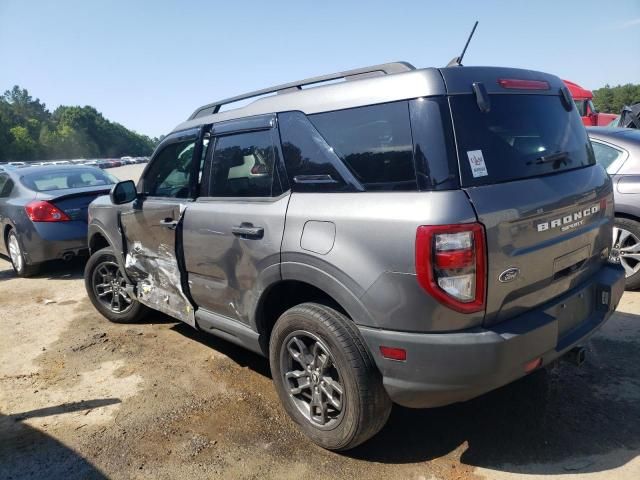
{"x":520,"y":84}
{"x":41,"y":211}
{"x":451,"y":264}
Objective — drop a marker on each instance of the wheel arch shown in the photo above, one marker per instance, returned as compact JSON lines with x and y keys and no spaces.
{"x":5,"y":233}
{"x":627,"y":215}
{"x":304,"y":284}
{"x":98,"y":241}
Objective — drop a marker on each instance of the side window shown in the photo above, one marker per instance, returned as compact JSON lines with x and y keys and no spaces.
{"x":374,"y":142}
{"x":243,"y":165}
{"x":6,"y":185}
{"x":605,"y":155}
{"x":169,"y":174}
{"x":312,"y":165}
{"x":581,"y":106}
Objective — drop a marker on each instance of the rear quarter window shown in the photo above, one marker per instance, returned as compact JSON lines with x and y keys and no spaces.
{"x":374,"y":142}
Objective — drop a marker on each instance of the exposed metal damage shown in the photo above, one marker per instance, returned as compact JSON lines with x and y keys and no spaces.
{"x":160,"y":286}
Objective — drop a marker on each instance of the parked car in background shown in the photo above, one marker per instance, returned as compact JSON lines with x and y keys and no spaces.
{"x":408,"y":235}
{"x":584,"y":103}
{"x":103,"y":164}
{"x":43,"y":212}
{"x":618,"y":151}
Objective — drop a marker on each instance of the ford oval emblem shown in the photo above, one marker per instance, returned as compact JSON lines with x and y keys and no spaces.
{"x":509,"y":275}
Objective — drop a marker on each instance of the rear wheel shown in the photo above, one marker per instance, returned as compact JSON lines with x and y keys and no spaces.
{"x":16,"y":254}
{"x":107,"y":289}
{"x":325,"y":377}
{"x":626,"y":249}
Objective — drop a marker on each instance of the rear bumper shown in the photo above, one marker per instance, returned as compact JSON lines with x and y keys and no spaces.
{"x":445,"y":368}
{"x":51,"y":241}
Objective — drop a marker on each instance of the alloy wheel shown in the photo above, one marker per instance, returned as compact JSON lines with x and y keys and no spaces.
{"x":14,"y":252}
{"x":109,"y":287}
{"x":626,"y":250}
{"x":312,"y":379}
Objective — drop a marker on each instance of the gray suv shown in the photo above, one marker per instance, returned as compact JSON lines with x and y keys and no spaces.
{"x":417,"y":236}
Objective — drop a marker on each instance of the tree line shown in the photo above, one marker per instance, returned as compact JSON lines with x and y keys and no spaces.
{"x":612,"y":99}
{"x":29,"y":131}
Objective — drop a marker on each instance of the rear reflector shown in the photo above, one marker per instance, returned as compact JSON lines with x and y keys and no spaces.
{"x":41,"y":211}
{"x":399,"y":354}
{"x":523,"y":84}
{"x":532,"y":365}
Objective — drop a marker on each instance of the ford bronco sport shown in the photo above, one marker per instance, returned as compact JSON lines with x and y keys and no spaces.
{"x":418,"y":236}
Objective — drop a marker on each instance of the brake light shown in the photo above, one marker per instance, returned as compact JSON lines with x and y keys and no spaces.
{"x":41,"y":211}
{"x":451,"y":264}
{"x":523,"y":84}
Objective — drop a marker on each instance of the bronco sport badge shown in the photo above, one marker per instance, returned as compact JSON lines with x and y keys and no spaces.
{"x":570,"y":221}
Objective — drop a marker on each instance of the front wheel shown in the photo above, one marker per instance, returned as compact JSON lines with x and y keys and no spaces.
{"x":325,"y":377}
{"x":107,"y":289}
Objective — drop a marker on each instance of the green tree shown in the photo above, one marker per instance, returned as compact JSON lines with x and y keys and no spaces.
{"x":612,"y":99}
{"x":28,"y":131}
{"x":22,"y":146}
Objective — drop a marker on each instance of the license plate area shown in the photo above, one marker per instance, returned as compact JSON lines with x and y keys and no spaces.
{"x":574,"y":310}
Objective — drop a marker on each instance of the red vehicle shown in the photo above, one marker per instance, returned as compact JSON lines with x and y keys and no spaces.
{"x":590,"y":116}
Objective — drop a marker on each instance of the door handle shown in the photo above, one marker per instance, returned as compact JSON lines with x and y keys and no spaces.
{"x":169,"y":223}
{"x":248,"y":231}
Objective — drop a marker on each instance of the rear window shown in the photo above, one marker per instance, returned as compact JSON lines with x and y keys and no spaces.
{"x":65,"y":179}
{"x":521,"y":136}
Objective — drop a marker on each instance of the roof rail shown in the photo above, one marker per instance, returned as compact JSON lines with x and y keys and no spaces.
{"x":382,"y":69}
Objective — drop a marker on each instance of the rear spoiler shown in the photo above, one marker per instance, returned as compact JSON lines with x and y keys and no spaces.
{"x":83,"y":193}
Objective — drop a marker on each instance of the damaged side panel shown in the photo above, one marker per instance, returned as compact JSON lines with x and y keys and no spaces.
{"x":151,"y":262}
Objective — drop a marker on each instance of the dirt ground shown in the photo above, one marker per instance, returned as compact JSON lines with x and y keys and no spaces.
{"x":83,"y":398}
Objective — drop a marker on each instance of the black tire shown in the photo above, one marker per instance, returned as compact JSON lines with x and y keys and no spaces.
{"x":633,"y":227}
{"x":365,"y":405}
{"x":21,"y":267}
{"x":130,"y":312}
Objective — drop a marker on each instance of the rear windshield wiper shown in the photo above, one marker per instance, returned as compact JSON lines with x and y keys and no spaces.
{"x":552,"y":158}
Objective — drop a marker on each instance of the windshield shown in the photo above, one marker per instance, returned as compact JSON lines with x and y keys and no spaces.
{"x":521,"y":136}
{"x":65,"y":179}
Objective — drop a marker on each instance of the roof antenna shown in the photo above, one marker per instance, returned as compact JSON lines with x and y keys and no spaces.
{"x":457,"y":61}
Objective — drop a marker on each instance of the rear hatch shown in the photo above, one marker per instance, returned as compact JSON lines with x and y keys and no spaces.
{"x":528,"y":168}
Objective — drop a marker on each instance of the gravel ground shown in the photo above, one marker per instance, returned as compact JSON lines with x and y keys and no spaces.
{"x":83,"y":398}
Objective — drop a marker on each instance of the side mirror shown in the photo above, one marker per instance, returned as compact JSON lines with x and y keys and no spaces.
{"x":123,"y":192}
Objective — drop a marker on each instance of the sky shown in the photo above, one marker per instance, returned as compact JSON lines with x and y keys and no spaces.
{"x":149,"y":64}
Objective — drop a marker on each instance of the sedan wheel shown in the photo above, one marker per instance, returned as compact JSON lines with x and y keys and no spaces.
{"x":15,"y":253}
{"x":626,"y":250}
